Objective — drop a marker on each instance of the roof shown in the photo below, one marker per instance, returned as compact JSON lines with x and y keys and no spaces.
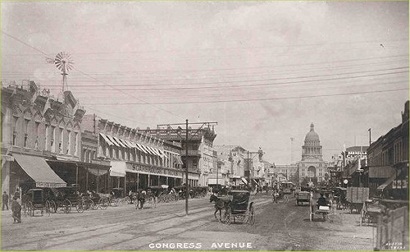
{"x":312,"y":136}
{"x":357,"y":149}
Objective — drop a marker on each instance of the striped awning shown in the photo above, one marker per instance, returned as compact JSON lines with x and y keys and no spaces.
{"x":108,"y":141}
{"x":142,"y":148}
{"x":113,"y":140}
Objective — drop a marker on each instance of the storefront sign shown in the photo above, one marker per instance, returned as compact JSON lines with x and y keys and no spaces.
{"x":156,"y":170}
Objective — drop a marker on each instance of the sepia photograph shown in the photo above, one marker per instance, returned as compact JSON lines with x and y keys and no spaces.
{"x":204,"y":125}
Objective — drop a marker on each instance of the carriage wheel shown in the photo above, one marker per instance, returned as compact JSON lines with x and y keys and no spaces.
{"x":251,"y":217}
{"x":93,"y":206}
{"x":80,"y":206}
{"x":228,"y":216}
{"x":48,"y":208}
{"x":53,"y":206}
{"x":30,"y":209}
{"x":67,"y":206}
{"x":114,"y":202}
{"x":103,"y":203}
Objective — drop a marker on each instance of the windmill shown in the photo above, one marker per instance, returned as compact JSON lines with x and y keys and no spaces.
{"x":63,"y":63}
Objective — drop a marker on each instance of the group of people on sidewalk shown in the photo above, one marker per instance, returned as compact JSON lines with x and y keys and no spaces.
{"x":15,"y":207}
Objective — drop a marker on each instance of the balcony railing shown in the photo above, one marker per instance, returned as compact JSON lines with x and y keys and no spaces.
{"x":191,"y":153}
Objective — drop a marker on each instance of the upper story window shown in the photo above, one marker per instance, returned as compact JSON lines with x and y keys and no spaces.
{"x":76,"y":143}
{"x":53,"y":137}
{"x":61,"y":140}
{"x":68,"y":151}
{"x":37,"y":124}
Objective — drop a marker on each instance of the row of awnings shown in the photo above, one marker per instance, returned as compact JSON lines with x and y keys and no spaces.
{"x":118,"y":142}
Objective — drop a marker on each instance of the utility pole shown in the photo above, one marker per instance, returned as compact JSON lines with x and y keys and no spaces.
{"x":291,"y":149}
{"x":186,"y":169}
{"x":370,"y":136}
{"x":186,"y":149}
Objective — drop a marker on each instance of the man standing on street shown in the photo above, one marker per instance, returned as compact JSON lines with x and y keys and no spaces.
{"x":5,"y":201}
{"x":16,"y":210}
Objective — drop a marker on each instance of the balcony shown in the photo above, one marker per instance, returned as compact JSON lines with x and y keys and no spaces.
{"x":191,"y":153}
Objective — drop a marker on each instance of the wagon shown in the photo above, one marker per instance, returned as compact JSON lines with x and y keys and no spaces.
{"x":68,"y":198}
{"x":314,"y":209}
{"x":34,"y":200}
{"x":302,"y":197}
{"x":240,"y":207}
{"x":355,"y":197}
{"x":370,"y":210}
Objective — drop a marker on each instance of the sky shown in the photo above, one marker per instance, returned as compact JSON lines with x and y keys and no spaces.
{"x":264,"y":71}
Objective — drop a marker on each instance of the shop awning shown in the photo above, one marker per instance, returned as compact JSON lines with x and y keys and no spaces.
{"x":163,"y":155}
{"x":155,"y":151}
{"x":118,"y":168}
{"x":119,"y":142}
{"x":142,"y":148}
{"x":388,"y":181}
{"x":113,"y":140}
{"x":125,"y":143}
{"x":244,"y":181}
{"x":38,"y":169}
{"x":108,"y":141}
{"x":147,"y":149}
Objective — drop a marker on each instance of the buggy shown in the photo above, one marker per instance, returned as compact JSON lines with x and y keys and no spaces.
{"x":67,"y":198}
{"x":240,"y":207}
{"x":34,"y":200}
{"x":315,"y":209}
{"x":370,"y":211}
{"x":302,"y":196}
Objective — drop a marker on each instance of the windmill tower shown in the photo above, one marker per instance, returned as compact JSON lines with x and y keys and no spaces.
{"x":63,"y":63}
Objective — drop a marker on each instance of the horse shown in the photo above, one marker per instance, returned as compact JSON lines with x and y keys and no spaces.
{"x":219,"y":205}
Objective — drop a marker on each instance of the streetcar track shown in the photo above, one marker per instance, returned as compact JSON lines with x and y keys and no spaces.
{"x":57,"y":235}
{"x":159,"y":217}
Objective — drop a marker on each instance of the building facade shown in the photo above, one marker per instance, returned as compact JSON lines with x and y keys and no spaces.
{"x":200,"y":158}
{"x":137,"y":160}
{"x":311,"y":167}
{"x":36,"y":127}
{"x":388,"y":161}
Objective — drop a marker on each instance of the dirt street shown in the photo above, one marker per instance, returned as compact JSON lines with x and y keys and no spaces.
{"x":281,"y":226}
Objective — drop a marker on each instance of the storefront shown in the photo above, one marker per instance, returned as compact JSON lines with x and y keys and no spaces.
{"x":87,"y":176}
{"x":32,"y":171}
{"x":134,"y":176}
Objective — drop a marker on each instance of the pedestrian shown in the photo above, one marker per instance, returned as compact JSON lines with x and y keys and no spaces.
{"x":17,"y":193}
{"x":5,"y":202}
{"x":131,"y":195}
{"x":16,"y":210}
{"x":141,"y":199}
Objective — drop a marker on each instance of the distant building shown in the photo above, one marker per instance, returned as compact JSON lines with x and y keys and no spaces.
{"x":200,"y":158}
{"x":312,"y":167}
{"x":137,"y":159}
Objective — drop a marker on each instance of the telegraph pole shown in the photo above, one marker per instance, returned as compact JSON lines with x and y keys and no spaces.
{"x":186,"y":150}
{"x":186,"y":169}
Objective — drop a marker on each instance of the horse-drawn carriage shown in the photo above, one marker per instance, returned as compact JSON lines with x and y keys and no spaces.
{"x":34,"y":199}
{"x":302,"y":196}
{"x":237,"y":206}
{"x":318,"y":208}
{"x":370,"y":211}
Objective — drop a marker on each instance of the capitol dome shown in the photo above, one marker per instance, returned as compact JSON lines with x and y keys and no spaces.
{"x":312,"y":138}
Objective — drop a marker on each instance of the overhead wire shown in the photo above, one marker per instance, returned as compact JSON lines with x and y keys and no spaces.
{"x":7,"y":34}
{"x":268,"y":99}
{"x":264,"y":80}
